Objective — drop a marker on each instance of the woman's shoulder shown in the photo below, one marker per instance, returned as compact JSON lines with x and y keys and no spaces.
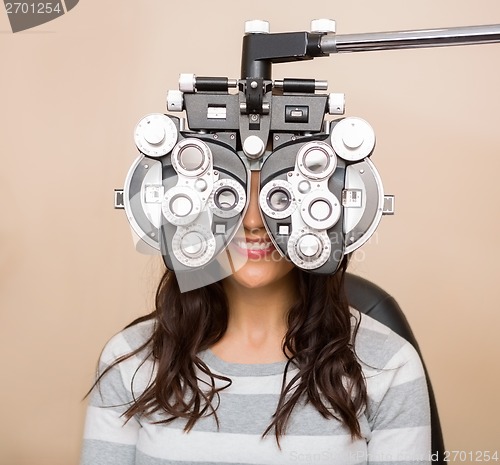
{"x":127,"y":340}
{"x":125,"y":367}
{"x":380,"y":347}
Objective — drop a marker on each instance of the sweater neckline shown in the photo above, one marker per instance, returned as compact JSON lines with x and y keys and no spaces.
{"x":243,"y":369}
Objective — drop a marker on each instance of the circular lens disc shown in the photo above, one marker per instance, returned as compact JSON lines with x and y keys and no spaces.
{"x":226,"y":198}
{"x":309,"y":245}
{"x":181,"y":205}
{"x":316,"y":160}
{"x":191,"y":157}
{"x":278,"y":199}
{"x":308,"y":249}
{"x":194,"y":245}
{"x":320,"y":210}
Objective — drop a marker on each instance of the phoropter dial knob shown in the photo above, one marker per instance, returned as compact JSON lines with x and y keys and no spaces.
{"x":309,"y":249}
{"x":155,"y":135}
{"x":309,"y":246}
{"x":353,"y":139}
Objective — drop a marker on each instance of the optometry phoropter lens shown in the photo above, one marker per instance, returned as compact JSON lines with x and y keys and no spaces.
{"x":278,"y":199}
{"x":194,"y":245}
{"x":308,"y":249}
{"x":181,"y":205}
{"x":191,"y":157}
{"x":309,"y":246}
{"x":320,"y":209}
{"x":228,"y":198}
{"x":316,"y":160}
{"x":155,"y":135}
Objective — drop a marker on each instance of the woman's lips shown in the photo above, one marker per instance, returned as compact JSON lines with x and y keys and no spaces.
{"x":253,"y":248}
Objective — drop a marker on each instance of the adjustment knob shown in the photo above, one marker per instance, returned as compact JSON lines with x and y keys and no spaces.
{"x":155,"y":135}
{"x":256,"y":26}
{"x":253,"y":147}
{"x":187,"y":82}
{"x":309,"y":246}
{"x":336,"y":104}
{"x":353,"y":139}
{"x":193,"y":244}
{"x":175,"y":100}
{"x":309,"y":249}
{"x":323,"y":25}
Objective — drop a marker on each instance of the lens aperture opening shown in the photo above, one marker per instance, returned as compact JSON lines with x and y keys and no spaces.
{"x":316,"y":160}
{"x":193,"y":244}
{"x":320,"y":210}
{"x":191,"y":158}
{"x":181,"y":205}
{"x":278,"y":199}
{"x":226,"y":198}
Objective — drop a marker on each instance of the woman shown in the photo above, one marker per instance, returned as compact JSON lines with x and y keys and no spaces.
{"x":268,"y":366}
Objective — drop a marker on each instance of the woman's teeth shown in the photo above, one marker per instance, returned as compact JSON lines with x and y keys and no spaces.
{"x":253,"y":245}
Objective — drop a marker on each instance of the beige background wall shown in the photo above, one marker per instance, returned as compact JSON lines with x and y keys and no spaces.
{"x":72,"y":91}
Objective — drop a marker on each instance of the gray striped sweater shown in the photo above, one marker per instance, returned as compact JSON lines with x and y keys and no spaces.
{"x":395,"y":424}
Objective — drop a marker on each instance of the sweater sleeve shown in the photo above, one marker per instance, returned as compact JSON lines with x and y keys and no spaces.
{"x":398,"y":409}
{"x":109,"y":439}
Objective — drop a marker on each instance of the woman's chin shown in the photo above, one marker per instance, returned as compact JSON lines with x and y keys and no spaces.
{"x":260,"y":273}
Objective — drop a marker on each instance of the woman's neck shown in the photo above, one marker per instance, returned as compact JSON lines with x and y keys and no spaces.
{"x":257,"y":321}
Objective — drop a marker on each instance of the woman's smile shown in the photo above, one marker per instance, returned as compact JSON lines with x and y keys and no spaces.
{"x":253,"y":248}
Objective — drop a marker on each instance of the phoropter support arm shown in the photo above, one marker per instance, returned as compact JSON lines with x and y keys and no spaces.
{"x":261,"y":50}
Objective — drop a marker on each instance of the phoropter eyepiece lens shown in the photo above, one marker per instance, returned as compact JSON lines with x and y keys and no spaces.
{"x":181,"y":205}
{"x":320,"y":210}
{"x":191,"y":157}
{"x":226,"y":198}
{"x":193,"y":244}
{"x":316,"y":160}
{"x":278,"y":199}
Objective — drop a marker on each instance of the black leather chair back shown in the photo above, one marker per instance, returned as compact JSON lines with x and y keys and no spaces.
{"x":372,"y":300}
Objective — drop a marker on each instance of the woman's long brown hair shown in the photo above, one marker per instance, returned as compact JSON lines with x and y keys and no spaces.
{"x":320,"y":338}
